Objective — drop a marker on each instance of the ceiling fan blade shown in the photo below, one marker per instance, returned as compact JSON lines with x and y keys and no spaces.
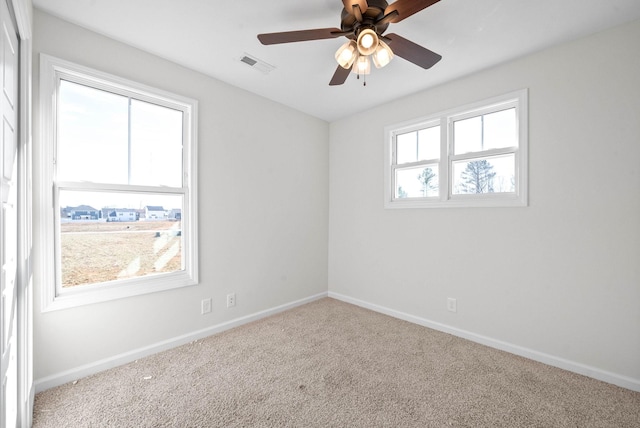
{"x":412,"y":52}
{"x":299,"y":36}
{"x":340,"y":76}
{"x":357,"y":12}
{"x":406,"y":8}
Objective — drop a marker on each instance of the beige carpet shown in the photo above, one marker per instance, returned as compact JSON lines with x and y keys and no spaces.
{"x":331,"y":364}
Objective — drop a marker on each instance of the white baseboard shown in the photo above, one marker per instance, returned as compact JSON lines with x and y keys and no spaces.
{"x":593,"y":372}
{"x":127,"y":357}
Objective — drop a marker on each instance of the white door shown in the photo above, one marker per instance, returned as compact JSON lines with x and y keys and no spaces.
{"x":8,"y":216}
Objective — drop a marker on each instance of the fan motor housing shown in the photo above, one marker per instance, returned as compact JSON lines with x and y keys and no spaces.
{"x":374,"y":12}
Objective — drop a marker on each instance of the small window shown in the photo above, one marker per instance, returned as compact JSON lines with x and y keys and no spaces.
{"x":470,"y":156}
{"x":120,"y":157}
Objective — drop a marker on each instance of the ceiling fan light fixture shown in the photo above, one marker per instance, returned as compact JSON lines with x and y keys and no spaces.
{"x":367,"y":41}
{"x":347,"y":54}
{"x":362,"y":65}
{"x":383,"y":55}
{"x":364,"y":23}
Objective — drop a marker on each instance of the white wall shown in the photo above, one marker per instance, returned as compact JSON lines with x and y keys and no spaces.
{"x":263,"y":211}
{"x":561,"y":277}
{"x":568,"y":281}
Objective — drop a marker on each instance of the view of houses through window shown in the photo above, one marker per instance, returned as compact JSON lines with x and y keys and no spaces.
{"x":119,"y":186}
{"x":119,"y":183}
{"x":117,"y":240}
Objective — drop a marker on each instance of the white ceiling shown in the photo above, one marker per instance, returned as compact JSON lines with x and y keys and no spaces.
{"x":211,"y":36}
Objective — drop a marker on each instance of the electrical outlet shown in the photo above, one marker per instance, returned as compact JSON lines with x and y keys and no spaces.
{"x":206,"y":306}
{"x":452,"y":305}
{"x":231,"y":300}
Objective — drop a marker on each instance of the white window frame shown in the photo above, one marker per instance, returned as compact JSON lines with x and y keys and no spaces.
{"x":52,"y":70}
{"x":445,"y":120}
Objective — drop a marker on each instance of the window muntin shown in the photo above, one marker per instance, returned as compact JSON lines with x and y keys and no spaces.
{"x":121,"y":158}
{"x":481,"y":157}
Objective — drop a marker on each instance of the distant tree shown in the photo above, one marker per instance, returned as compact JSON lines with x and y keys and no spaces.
{"x":478,"y":177}
{"x":402,"y":193}
{"x":429,"y":181}
{"x":504,"y":184}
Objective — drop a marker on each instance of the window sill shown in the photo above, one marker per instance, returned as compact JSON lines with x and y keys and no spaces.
{"x":114,"y":290}
{"x":462,"y":201}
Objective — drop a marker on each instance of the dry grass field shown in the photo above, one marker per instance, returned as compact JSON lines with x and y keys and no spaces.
{"x":98,"y":251}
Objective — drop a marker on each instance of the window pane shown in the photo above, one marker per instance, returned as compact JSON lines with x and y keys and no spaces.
{"x":418,"y":146}
{"x":500,"y":129}
{"x":429,"y":143}
{"x":417,"y":182}
{"x":467,"y":135}
{"x":487,"y":175}
{"x":407,"y":147}
{"x":490,"y":131}
{"x":109,"y":236}
{"x":92,"y":135}
{"x":156,"y":145}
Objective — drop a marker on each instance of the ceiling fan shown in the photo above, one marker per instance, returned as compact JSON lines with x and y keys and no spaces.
{"x":363,"y":22}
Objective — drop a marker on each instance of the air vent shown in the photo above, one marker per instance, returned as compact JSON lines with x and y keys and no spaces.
{"x":249,"y":61}
{"x":256,"y":63}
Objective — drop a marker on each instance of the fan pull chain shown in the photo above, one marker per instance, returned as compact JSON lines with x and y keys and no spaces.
{"x":364,"y":78}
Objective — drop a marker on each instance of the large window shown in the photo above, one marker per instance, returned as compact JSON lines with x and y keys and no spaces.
{"x":471,"y":156}
{"x":120,"y":158}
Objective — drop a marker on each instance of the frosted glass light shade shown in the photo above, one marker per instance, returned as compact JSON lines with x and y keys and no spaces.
{"x":383,"y":55}
{"x":362,"y":65}
{"x":367,"y":42}
{"x":347,"y":54}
